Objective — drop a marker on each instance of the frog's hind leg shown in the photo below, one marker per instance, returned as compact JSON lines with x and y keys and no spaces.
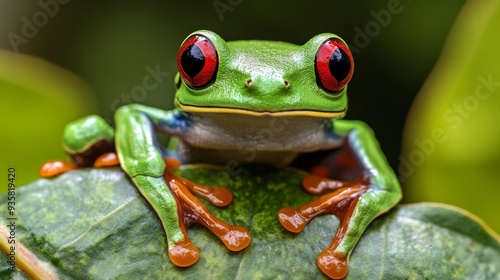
{"x":84,"y":140}
{"x":364,"y":187}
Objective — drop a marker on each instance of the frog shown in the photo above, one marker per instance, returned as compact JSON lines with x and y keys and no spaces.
{"x":247,"y":102}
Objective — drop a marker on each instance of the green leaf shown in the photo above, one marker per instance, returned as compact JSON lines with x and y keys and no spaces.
{"x":93,"y":224}
{"x":38,"y":99}
{"x":451,"y":151}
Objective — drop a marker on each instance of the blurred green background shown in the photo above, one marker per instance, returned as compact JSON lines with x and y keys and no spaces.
{"x":98,"y":52}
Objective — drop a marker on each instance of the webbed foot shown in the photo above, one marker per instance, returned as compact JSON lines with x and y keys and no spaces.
{"x":342,"y":202}
{"x":56,"y":167}
{"x":191,"y":210}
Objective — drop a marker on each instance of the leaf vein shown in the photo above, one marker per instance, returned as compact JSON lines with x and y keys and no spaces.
{"x":384,"y":251}
{"x":105,"y":217}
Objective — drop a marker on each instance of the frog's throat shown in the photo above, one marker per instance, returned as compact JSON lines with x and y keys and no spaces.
{"x":285,"y":113}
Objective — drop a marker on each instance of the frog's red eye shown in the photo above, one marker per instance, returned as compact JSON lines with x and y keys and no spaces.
{"x":333,"y":65}
{"x":197,"y":61}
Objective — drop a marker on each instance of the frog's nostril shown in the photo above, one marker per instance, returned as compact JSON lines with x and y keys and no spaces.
{"x":260,"y":85}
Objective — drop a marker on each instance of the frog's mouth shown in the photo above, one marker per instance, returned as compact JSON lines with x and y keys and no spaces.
{"x":240,"y":111}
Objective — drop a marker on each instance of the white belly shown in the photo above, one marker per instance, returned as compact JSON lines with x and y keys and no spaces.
{"x":221,"y":138}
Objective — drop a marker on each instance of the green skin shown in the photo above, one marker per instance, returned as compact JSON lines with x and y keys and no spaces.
{"x":226,"y":116}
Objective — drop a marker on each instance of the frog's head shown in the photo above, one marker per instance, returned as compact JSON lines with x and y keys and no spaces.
{"x":263,"y":77}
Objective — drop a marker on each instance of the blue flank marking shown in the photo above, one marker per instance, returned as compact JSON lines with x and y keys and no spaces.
{"x":330,"y":131}
{"x":177,"y":122}
{"x":181,"y":121}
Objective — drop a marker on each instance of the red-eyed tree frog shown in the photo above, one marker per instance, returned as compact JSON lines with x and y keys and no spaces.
{"x":248,"y":102}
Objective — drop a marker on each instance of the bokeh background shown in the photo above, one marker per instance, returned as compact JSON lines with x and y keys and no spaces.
{"x":64,"y":59}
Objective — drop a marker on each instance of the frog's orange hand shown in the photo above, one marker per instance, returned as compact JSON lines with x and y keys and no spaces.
{"x":191,"y":210}
{"x":341,"y":202}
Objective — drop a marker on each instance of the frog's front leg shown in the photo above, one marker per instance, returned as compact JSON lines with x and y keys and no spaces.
{"x":168,"y":194}
{"x":356,"y":203}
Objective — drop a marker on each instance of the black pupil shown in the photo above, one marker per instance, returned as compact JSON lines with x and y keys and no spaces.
{"x":192,"y":60}
{"x":340,"y":64}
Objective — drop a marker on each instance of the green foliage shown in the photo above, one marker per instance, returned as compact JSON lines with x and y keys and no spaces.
{"x":38,"y":100}
{"x":93,"y":224}
{"x":451,"y":148}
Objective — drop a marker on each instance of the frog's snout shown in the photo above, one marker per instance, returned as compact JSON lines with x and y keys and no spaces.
{"x":264,"y":86}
